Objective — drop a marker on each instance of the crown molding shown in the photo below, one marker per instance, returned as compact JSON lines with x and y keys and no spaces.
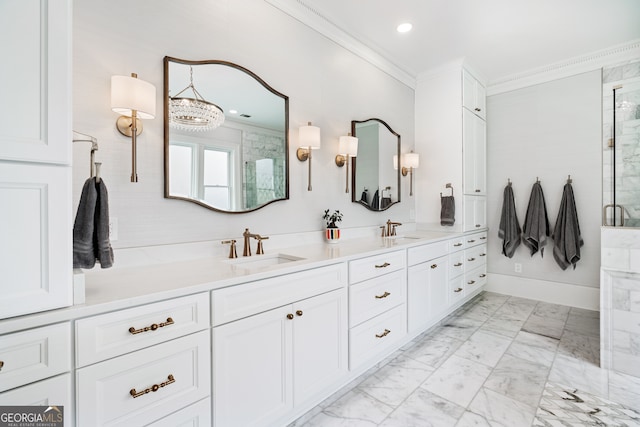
{"x":569,"y":67}
{"x":312,"y":18}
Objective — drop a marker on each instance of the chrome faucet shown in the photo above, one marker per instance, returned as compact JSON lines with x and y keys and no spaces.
{"x":390,"y":228}
{"x":246,"y":251}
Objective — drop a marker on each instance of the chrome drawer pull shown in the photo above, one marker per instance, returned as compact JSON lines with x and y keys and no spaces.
{"x":458,"y":264}
{"x":153,"y":327}
{"x":483,"y":275}
{"x":384,"y":334}
{"x":457,"y":290}
{"x":483,"y":254}
{"x":457,"y":244}
{"x":470,"y":241}
{"x":154,"y":388}
{"x":434,"y":266}
{"x":299,"y":313}
{"x":471,"y":282}
{"x":386,"y":264}
{"x":386,"y":294}
{"x":471,"y":259}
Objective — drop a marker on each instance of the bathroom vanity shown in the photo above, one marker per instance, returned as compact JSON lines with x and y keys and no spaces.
{"x":249,"y":341}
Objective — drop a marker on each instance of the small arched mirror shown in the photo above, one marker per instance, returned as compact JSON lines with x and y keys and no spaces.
{"x":226,"y":136}
{"x":375,"y":177}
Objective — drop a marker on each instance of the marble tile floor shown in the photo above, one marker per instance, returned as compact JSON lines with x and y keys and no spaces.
{"x":497,"y":361}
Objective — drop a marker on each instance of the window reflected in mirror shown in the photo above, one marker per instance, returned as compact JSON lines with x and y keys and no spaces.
{"x":239,"y":165}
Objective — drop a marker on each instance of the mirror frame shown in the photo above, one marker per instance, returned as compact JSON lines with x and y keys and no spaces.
{"x":165,"y":101}
{"x":354,"y":197}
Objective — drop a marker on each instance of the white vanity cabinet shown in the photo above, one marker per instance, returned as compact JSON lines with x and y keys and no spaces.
{"x":474,"y":95}
{"x":377,"y":306}
{"x":474,"y":212}
{"x":272,"y":358}
{"x":427,"y":285}
{"x":35,"y":368}
{"x":35,"y":157}
{"x":475,"y":269}
{"x":474,"y":150}
{"x":139,"y":365}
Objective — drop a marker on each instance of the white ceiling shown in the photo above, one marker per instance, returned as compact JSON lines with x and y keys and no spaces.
{"x":498,"y":37}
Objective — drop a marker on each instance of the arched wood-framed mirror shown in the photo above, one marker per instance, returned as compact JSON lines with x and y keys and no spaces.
{"x":243,"y":164}
{"x":375,"y":179}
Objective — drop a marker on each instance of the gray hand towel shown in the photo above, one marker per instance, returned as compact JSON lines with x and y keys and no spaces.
{"x":375,"y":202}
{"x":566,"y":234}
{"x":447,"y":210}
{"x":103,"y":250}
{"x":535,"y":229}
{"x":509,"y":230}
{"x":91,"y":227}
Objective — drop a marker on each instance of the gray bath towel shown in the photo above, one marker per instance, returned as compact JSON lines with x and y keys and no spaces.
{"x":447,"y":210}
{"x":91,"y":227}
{"x":535,"y":229}
{"x":509,"y":230}
{"x":566,"y":234}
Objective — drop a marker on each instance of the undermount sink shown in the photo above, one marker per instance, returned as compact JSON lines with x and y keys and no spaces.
{"x":257,"y":262}
{"x":396,"y":238}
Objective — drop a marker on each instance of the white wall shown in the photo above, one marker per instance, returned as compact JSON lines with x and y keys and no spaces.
{"x":548,"y":131}
{"x":326,"y":84}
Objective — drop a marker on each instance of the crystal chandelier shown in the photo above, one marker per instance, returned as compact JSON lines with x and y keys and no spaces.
{"x":193,"y":114}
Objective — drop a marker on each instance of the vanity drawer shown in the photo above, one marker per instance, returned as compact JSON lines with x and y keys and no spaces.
{"x":376,"y":335}
{"x":374,"y":266}
{"x":425,"y":253}
{"x":372,"y":297}
{"x":456,"y":264}
{"x":475,"y":278}
{"x":475,"y":239}
{"x":247,"y":299}
{"x":113,"y":334}
{"x":34,"y":354}
{"x":145,"y":385}
{"x":474,"y":257}
{"x":456,"y":290}
{"x":56,"y":391}
{"x":457,"y":244}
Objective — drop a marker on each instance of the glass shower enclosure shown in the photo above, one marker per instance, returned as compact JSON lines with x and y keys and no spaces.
{"x":621,"y":145}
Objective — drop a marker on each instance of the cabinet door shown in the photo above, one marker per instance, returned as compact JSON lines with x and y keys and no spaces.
{"x":36,"y":87}
{"x":319,"y":343}
{"x":474,"y":151}
{"x":252,"y":369}
{"x":35,"y":223}
{"x":427,"y":294}
{"x":474,"y":212}
{"x":473,"y":95}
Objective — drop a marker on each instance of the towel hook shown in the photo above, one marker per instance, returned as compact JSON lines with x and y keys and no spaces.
{"x":569,"y":180}
{"x":83,"y":137}
{"x":509,"y":182}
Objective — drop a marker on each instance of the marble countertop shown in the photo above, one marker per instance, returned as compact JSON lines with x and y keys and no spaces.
{"x":114,"y":289}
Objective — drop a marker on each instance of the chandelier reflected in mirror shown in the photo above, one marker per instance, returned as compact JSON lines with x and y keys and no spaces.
{"x":193,"y":114}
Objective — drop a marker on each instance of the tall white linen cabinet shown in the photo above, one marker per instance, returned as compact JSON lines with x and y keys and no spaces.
{"x":451,"y":138}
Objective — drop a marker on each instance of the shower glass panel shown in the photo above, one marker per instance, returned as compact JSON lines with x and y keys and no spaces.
{"x":621,"y":145}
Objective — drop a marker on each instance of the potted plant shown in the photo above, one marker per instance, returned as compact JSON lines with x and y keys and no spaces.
{"x":332,"y":232}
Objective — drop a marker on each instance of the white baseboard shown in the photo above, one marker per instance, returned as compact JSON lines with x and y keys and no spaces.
{"x":542,"y":290}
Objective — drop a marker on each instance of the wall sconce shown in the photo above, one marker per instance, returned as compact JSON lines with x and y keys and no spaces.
{"x":134,"y":99}
{"x":347,"y":146}
{"x":410,"y":161}
{"x":308,"y":140}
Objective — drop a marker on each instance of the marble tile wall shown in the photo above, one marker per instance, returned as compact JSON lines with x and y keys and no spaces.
{"x":620,"y":300}
{"x":258,"y":187}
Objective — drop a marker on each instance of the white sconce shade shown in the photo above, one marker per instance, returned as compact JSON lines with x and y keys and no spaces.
{"x":134,"y":99}
{"x":348,"y":146}
{"x":309,"y":137}
{"x":411,"y":160}
{"x":308,"y":140}
{"x":130,"y":93}
{"x":395,"y":162}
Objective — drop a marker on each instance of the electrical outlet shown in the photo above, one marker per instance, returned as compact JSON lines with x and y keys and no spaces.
{"x":113,"y":229}
{"x":518,"y":267}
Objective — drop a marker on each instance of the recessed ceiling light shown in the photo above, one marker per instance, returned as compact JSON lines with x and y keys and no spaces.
{"x":233,"y":111}
{"x":405,"y":27}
